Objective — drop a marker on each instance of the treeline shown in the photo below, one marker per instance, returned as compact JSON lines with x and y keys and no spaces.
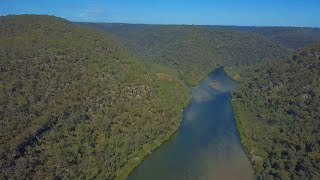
{"x":194,"y":51}
{"x":277,"y":102}
{"x":73,"y":104}
{"x":277,"y":107}
{"x":289,"y":37}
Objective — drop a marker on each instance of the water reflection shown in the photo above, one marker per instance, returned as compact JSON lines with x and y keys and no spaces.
{"x":207,"y":145}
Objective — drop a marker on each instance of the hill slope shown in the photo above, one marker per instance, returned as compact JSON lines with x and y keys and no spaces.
{"x":193,"y":50}
{"x":277,"y":108}
{"x":74,"y":104}
{"x":290,"y":37}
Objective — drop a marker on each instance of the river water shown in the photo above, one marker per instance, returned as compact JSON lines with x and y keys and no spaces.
{"x":208,"y":145}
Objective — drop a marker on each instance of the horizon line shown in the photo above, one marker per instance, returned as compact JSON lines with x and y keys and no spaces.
{"x":185,"y":24}
{"x":167,"y":24}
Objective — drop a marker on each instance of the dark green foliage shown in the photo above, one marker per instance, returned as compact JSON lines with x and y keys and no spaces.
{"x":277,"y":108}
{"x":290,"y":37}
{"x":277,"y":103}
{"x":74,"y":104}
{"x":193,"y":50}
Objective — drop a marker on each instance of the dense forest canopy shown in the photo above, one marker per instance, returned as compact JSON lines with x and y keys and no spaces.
{"x":193,"y":50}
{"x":277,"y":103}
{"x":277,"y":107}
{"x":290,"y":37}
{"x":75,"y":104}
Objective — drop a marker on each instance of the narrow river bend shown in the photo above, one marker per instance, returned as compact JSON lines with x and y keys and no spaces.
{"x":208,"y":145}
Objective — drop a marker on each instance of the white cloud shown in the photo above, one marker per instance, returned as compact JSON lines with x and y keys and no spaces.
{"x":92,"y":13}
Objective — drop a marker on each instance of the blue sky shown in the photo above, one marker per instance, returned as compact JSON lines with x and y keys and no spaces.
{"x":215,"y":12}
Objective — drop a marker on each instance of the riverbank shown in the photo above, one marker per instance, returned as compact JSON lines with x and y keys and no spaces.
{"x":232,"y":73}
{"x":150,"y":148}
{"x":239,"y":115}
{"x":207,"y":141}
{"x":147,"y":150}
{"x":240,"y":128}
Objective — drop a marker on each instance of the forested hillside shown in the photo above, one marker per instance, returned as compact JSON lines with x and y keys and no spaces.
{"x":73,"y":104}
{"x":193,"y":50}
{"x":290,"y":37}
{"x":277,"y":108}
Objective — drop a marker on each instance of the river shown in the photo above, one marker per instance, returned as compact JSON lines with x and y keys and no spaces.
{"x":208,"y":145}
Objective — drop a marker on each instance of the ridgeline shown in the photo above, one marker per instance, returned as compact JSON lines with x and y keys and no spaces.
{"x":194,"y":51}
{"x":277,"y":108}
{"x":74,"y":104}
{"x":91,"y":100}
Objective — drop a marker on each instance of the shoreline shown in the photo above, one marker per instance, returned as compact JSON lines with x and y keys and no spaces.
{"x":237,"y":118}
{"x":147,"y":150}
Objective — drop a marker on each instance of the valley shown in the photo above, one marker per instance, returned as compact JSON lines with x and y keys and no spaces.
{"x":137,"y":101}
{"x":207,"y":145}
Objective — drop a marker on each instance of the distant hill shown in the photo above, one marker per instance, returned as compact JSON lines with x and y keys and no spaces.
{"x":290,"y":37}
{"x":277,"y":107}
{"x":80,"y":103}
{"x":74,"y":104}
{"x":278,"y":99}
{"x":193,"y":50}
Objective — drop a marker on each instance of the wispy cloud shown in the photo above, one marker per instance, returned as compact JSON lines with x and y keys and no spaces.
{"x":92,"y":13}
